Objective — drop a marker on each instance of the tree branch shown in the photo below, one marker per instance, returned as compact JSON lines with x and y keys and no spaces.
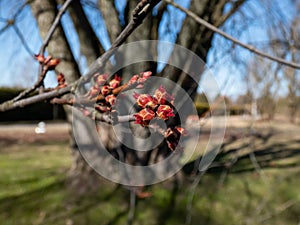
{"x":138,"y":15}
{"x":42,"y":72}
{"x":54,"y":26}
{"x":227,"y":36}
{"x":90,"y":45}
{"x":235,"y":7}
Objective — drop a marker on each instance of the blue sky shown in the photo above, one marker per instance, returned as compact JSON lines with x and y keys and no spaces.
{"x":18,"y":68}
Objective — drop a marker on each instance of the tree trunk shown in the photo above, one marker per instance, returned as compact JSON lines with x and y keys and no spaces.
{"x":82,"y":177}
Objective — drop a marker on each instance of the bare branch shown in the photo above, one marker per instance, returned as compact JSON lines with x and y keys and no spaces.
{"x":188,"y":218}
{"x":227,"y":36}
{"x":42,"y":73}
{"x":235,"y":7}
{"x":139,"y":14}
{"x":8,"y":105}
{"x":33,"y":88}
{"x":131,"y":207}
{"x":54,"y":25}
{"x":281,"y":208}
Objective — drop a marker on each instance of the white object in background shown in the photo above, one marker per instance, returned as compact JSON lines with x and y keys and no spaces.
{"x":41,"y":128}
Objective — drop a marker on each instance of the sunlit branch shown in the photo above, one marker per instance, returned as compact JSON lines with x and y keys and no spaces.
{"x":234,"y":40}
{"x":54,"y":26}
{"x":42,"y":73}
{"x":138,"y":15}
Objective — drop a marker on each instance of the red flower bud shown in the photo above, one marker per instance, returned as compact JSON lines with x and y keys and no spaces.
{"x":100,"y":79}
{"x":173,"y":136}
{"x":105,"y":90}
{"x":52,"y":64}
{"x":144,"y":116}
{"x":162,"y":96}
{"x":181,"y":130}
{"x":111,"y":99}
{"x":133,"y":79}
{"x":114,"y":83}
{"x":60,"y":78}
{"x":40,"y":58}
{"x":144,"y":76}
{"x":164,"y":112}
{"x":145,"y":100}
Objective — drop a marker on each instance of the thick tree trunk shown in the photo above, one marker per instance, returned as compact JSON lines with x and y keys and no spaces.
{"x":82,"y":177}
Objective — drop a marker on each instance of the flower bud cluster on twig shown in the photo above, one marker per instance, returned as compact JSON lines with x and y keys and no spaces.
{"x":49,"y":64}
{"x":103,"y":93}
{"x":159,"y":106}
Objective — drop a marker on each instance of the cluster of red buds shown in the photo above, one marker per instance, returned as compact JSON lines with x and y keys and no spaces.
{"x":103,"y":91}
{"x":172,"y":136}
{"x":159,"y":105}
{"x":61,"y":81}
{"x":49,"y":63}
{"x":139,"y":79}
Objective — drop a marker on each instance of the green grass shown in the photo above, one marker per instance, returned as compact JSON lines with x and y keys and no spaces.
{"x":33,"y":190}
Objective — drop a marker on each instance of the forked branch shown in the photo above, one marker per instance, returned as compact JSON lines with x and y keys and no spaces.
{"x":138,"y":15}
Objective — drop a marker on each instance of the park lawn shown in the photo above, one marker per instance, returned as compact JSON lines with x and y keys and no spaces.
{"x":33,"y":191}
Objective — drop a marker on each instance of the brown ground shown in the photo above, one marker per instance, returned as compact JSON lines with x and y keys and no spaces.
{"x":25,"y":133}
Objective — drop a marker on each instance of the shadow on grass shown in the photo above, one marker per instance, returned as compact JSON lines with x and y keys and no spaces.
{"x":168,"y":211}
{"x":29,"y":196}
{"x":238,"y":159}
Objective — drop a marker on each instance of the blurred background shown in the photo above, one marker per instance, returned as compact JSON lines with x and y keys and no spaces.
{"x":254,"y":178}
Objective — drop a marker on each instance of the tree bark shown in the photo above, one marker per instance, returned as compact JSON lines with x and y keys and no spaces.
{"x":90,"y":45}
{"x":82,"y":177}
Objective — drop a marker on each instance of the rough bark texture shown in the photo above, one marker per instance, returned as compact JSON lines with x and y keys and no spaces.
{"x":111,"y":17}
{"x":45,"y":12}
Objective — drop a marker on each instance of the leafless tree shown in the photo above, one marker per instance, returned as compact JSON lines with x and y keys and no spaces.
{"x":196,"y":33}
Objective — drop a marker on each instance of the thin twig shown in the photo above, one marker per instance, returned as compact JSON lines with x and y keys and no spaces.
{"x":188,"y":218}
{"x":138,"y":15}
{"x":32,"y":89}
{"x":42,"y":72}
{"x":234,"y":40}
{"x":54,"y":26}
{"x":131,"y":207}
